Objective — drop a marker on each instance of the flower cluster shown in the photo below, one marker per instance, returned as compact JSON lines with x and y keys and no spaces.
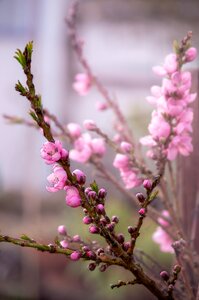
{"x":128,"y":174}
{"x":84,"y":145}
{"x":170,"y":126}
{"x":51,"y":153}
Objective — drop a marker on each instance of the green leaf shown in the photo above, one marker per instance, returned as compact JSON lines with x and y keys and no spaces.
{"x":33,"y":115}
{"x":20,"y":88}
{"x":176,"y":47}
{"x":56,"y":240}
{"x":28,"y":50}
{"x":153,"y":195}
{"x":20,"y":57}
{"x":27,"y":238}
{"x":94,"y":186}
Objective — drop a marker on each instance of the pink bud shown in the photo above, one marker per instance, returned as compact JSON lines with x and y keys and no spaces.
{"x":142,"y":212}
{"x":102,"y":193}
{"x":64,"y":244}
{"x":126,"y":147}
{"x":100,"y":209}
{"x":147,"y":184}
{"x":72,"y":196}
{"x":87,"y":220}
{"x":82,"y":84}
{"x":101,"y":106}
{"x":80,"y":176}
{"x":92,"y":195}
{"x":76,"y":255}
{"x":62,"y":230}
{"x":76,"y":238}
{"x":126,"y":245}
{"x":93,"y":229}
{"x":89,"y":125}
{"x":190,"y":54}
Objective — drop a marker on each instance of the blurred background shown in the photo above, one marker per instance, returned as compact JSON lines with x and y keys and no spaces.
{"x":123,"y":40}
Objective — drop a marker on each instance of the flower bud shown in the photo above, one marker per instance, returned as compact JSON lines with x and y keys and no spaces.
{"x":147,"y":184}
{"x":126,"y":246}
{"x":100,"y":251}
{"x":85,"y":248}
{"x":142,"y":212}
{"x":190,"y":54}
{"x":177,"y":269}
{"x":73,"y":198}
{"x":91,"y":266}
{"x":93,"y":229}
{"x":76,"y":255}
{"x":76,"y":238}
{"x":101,"y":106}
{"x":102,"y":193}
{"x":92,"y":195}
{"x":111,"y":226}
{"x":62,"y":230}
{"x":87,"y":190}
{"x":126,"y":147}
{"x":164,"y":275}
{"x":120,"y":238}
{"x":90,"y":125}
{"x":103,"y":268}
{"x":140,"y":197}
{"x":100,"y":209}
{"x":115,"y":219}
{"x":80,"y":176}
{"x":91,"y":255}
{"x":64,"y":244}
{"x":87,"y":220}
{"x":130,"y":229}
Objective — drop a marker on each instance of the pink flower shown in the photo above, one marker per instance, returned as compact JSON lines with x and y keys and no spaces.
{"x":98,"y":146}
{"x":161,"y":221}
{"x":82,"y":150}
{"x":85,"y":147}
{"x":57,"y":179}
{"x":163,"y":239}
{"x":74,"y":130}
{"x":190,"y":54}
{"x":52,"y":152}
{"x":170,"y":66}
{"x":181,"y":144}
{"x":171,"y":122}
{"x":121,"y":161}
{"x":130,"y":179}
{"x":82,"y":84}
{"x":73,"y":198}
{"x":158,"y":127}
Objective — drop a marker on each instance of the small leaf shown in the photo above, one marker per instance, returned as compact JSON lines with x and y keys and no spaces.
{"x":20,"y":88}
{"x":33,"y":115}
{"x":27,"y":238}
{"x":176,"y":47}
{"x":153,"y":195}
{"x":94,"y":186}
{"x":19,"y":56}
